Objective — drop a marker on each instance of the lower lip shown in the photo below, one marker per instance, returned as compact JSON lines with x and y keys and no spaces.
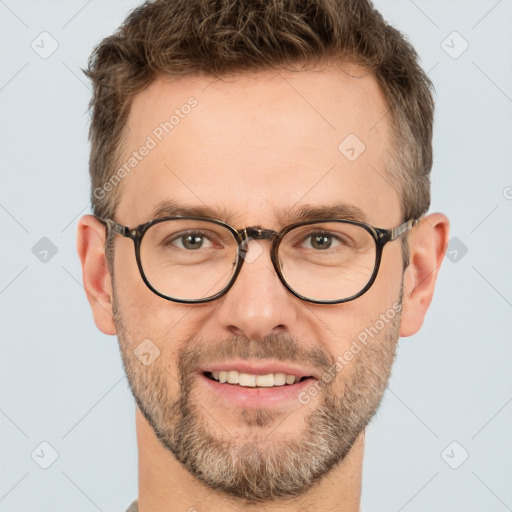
{"x":257,"y":397}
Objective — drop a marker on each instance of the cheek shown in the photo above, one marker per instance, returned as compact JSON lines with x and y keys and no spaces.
{"x":145,"y":315}
{"x":126,"y":272}
{"x":342,"y":324}
{"x":389,"y":279}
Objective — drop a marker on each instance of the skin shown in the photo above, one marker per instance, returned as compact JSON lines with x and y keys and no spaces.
{"x":254,"y":147}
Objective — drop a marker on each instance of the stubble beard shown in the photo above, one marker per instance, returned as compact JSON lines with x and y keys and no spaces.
{"x":256,"y":469}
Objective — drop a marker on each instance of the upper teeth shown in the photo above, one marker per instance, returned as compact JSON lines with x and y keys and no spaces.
{"x":247,"y":379}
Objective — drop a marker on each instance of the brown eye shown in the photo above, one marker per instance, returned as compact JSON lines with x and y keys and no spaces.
{"x":192,"y":241}
{"x":321,"y":241}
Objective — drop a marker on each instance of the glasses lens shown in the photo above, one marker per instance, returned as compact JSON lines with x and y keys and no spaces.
{"x":327,"y":261}
{"x":188,"y":259}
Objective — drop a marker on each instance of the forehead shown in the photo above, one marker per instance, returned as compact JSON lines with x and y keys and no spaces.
{"x":257,"y":146}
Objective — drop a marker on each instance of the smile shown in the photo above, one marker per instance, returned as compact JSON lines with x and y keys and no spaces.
{"x":250,"y":380}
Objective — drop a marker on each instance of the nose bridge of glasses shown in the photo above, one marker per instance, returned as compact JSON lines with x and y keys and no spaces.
{"x":257,"y":233}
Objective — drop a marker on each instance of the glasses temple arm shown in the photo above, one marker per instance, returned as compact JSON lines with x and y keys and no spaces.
{"x":399,"y":230}
{"x":114,"y":226}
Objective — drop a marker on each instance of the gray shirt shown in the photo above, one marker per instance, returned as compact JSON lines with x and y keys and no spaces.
{"x":134,"y":507}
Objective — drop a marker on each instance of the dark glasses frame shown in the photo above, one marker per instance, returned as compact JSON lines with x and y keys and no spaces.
{"x":380,"y":236}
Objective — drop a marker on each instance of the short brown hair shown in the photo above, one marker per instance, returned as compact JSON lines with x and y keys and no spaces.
{"x":167,"y":38}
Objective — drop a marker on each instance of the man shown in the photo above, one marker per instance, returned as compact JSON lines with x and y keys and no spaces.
{"x":241,"y":152}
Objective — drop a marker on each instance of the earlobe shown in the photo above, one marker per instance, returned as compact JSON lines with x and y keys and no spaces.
{"x":95,"y":275}
{"x":427,"y":243}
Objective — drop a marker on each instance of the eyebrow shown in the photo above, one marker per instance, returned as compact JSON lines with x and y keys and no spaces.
{"x":171,"y":208}
{"x":342,"y":211}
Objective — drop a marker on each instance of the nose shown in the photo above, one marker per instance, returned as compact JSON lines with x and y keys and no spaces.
{"x":258,"y":304}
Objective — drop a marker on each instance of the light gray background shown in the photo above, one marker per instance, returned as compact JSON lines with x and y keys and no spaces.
{"x":61,"y":380}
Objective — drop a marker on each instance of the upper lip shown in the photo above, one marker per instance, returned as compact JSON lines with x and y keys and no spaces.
{"x":261,"y":368}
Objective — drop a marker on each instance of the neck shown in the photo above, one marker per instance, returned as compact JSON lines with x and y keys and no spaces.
{"x":164,"y":482}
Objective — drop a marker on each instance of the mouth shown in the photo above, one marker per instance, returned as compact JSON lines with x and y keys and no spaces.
{"x":257,"y":391}
{"x":248,"y":380}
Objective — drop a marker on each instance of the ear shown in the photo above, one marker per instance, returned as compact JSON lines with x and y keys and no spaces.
{"x":90,"y":244}
{"x":428,"y":242}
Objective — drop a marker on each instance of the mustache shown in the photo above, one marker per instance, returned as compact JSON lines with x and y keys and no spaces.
{"x":276,"y":347}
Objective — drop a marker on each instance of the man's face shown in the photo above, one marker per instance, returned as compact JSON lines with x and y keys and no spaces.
{"x":253,"y":149}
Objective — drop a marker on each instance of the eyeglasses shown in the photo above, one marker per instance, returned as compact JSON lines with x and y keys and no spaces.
{"x":195,"y":259}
